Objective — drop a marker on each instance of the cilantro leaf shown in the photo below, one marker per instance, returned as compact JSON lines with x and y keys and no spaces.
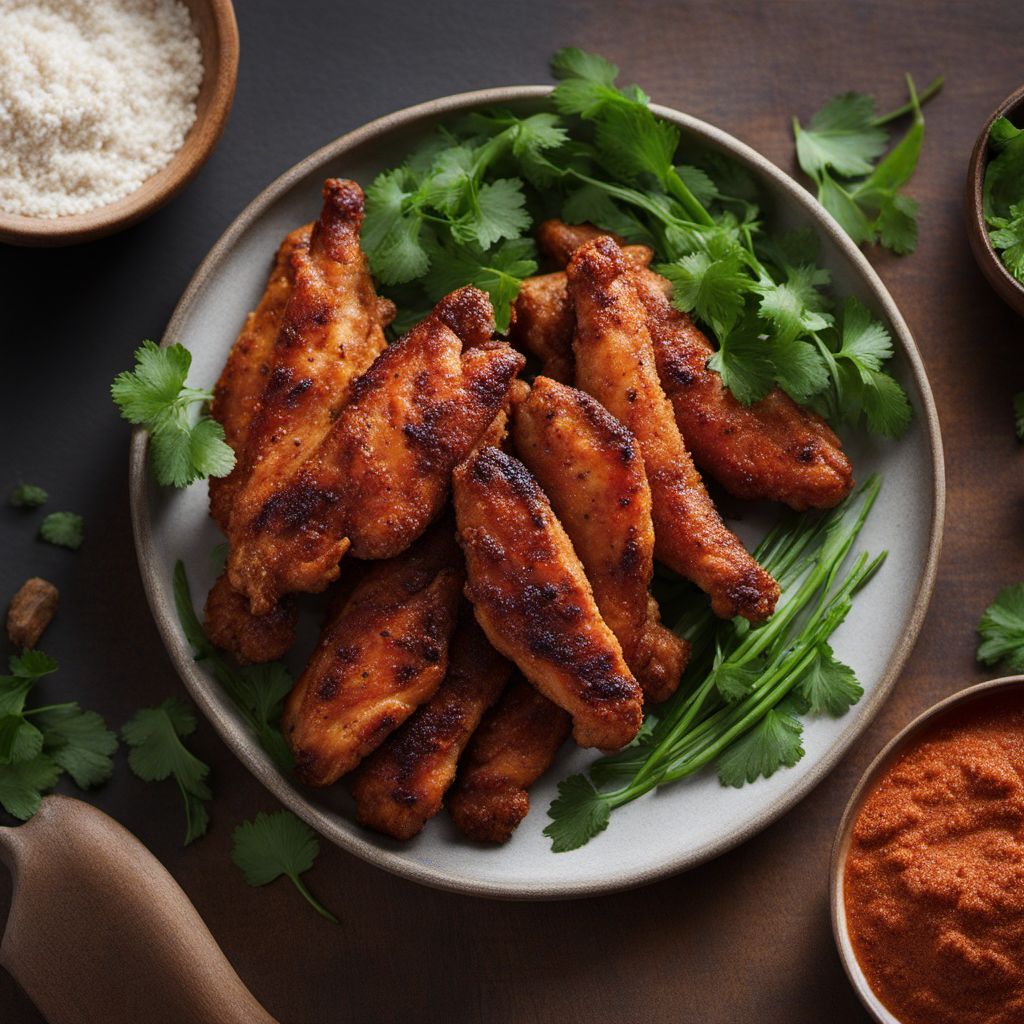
{"x":499,"y":212}
{"x":1007,"y":236}
{"x":392,"y":229}
{"x":31,"y":665}
{"x":795,"y":306}
{"x":829,"y":687}
{"x":23,"y":782}
{"x":1002,"y":630}
{"x":272,"y":845}
{"x":79,"y":742}
{"x":775,"y":742}
{"x":27,"y":496}
{"x":258,"y":691}
{"x":1004,"y":171}
{"x":155,"y":395}
{"x":65,"y":529}
{"x":745,"y":363}
{"x":736,"y":681}
{"x":578,"y":813}
{"x":841,"y":136}
{"x":712,"y":288}
{"x":586,"y":81}
{"x":157,"y":752}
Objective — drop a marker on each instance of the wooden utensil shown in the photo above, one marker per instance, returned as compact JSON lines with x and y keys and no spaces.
{"x":99,"y":931}
{"x":214,"y":22}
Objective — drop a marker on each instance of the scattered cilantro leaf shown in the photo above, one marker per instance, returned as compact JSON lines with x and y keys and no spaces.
{"x":841,"y":136}
{"x":258,"y":691}
{"x":712,"y":288}
{"x":774,"y":743}
{"x":272,"y":845}
{"x":65,"y":529}
{"x":155,"y":736}
{"x":22,"y":785}
{"x":79,"y":742}
{"x":1002,"y":630}
{"x":578,"y":813}
{"x":155,"y":395}
{"x":27,"y":496}
{"x":829,"y":687}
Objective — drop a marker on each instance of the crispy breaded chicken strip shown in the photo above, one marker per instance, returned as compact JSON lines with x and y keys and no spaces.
{"x":515,"y":744}
{"x":773,"y":450}
{"x":534,"y":602}
{"x":543,"y":320}
{"x":591,"y":469}
{"x":237,"y":393}
{"x":400,"y":786}
{"x":382,"y":653}
{"x":383,"y":471}
{"x":231,"y":626}
{"x":615,"y":364}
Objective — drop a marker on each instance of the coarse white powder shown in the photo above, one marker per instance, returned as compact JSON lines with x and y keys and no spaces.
{"x":95,"y":97}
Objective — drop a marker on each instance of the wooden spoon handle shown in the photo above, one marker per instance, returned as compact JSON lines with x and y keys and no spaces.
{"x":99,"y":931}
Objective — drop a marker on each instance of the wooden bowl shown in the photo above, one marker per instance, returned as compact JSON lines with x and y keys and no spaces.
{"x":837,"y":869}
{"x":214,"y":22}
{"x":1009,"y":289}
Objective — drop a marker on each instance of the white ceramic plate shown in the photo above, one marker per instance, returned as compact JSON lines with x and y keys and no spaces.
{"x":664,"y":832}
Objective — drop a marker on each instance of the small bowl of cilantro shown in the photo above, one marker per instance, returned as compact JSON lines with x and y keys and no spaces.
{"x":995,"y":200}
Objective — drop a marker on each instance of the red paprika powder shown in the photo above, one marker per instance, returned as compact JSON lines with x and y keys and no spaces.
{"x":934,"y":879}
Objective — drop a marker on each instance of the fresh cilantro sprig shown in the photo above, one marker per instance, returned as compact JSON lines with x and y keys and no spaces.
{"x":27,"y":496}
{"x":155,"y":395}
{"x":38,"y":744}
{"x":840,"y":150}
{"x":272,"y":845}
{"x":1002,"y":630}
{"x":258,"y":691}
{"x":744,"y":691}
{"x":64,"y":529}
{"x":1003,"y":194}
{"x":156,"y":738}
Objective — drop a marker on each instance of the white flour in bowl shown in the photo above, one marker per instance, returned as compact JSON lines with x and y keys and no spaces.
{"x":95,"y":97}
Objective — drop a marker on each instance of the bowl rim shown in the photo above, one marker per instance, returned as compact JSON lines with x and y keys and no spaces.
{"x":981,"y":244}
{"x":841,"y":845}
{"x":247,"y":749}
{"x":161,"y":186}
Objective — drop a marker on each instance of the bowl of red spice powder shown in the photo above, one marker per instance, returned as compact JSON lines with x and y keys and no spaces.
{"x":928,"y":866}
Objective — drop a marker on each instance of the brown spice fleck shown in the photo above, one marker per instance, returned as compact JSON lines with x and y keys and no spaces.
{"x":31,"y":611}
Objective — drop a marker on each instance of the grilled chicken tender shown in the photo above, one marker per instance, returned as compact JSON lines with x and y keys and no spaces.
{"x":231,"y":626}
{"x":382,"y":653}
{"x":515,"y":744}
{"x":237,"y":393}
{"x":773,"y":450}
{"x":543,"y":319}
{"x":589,"y":466}
{"x":382,"y":472}
{"x":533,"y":600}
{"x":400,"y":786}
{"x":615,"y":364}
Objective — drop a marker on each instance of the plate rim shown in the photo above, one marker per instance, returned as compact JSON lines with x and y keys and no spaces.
{"x":246,"y":748}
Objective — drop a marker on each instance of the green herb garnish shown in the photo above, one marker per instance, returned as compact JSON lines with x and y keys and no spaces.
{"x":740,"y":701}
{"x":1003,"y":195}
{"x":156,"y":736}
{"x":840,"y":150}
{"x":272,"y":845}
{"x":461,"y":208}
{"x":65,"y":529}
{"x":27,"y":496}
{"x":1002,"y":630}
{"x":155,"y":395}
{"x":258,"y":691}
{"x":37,"y":744}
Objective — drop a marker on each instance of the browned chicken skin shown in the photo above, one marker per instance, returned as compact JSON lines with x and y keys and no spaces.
{"x":773,"y":450}
{"x":382,"y":472}
{"x":515,"y":744}
{"x":400,"y":786}
{"x":591,"y":469}
{"x":615,"y":364}
{"x":231,"y":626}
{"x":382,"y":653}
{"x":534,"y":602}
{"x":237,"y":393}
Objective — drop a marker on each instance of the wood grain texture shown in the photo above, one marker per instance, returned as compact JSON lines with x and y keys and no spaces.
{"x":745,"y":938}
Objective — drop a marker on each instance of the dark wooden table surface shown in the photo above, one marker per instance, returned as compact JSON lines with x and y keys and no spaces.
{"x":744,"y":938}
